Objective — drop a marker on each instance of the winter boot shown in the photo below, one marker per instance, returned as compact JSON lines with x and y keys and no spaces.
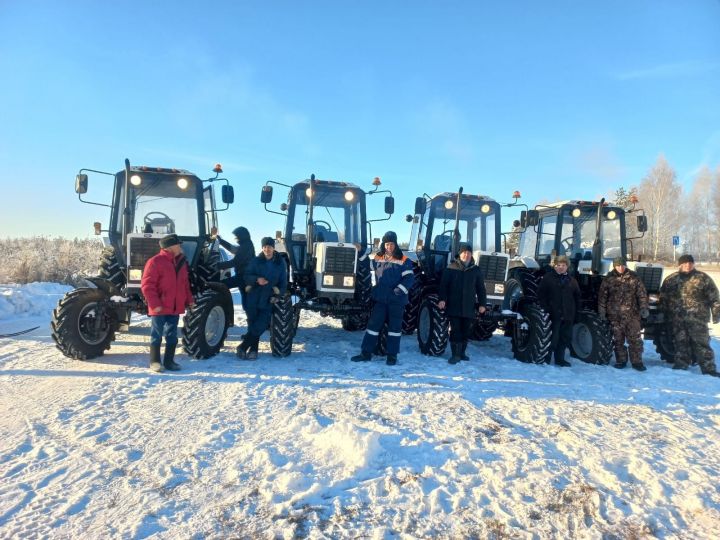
{"x":362,"y":357}
{"x":455,"y":348}
{"x":155,"y":364}
{"x":639,"y":366}
{"x":252,"y":353}
{"x":711,"y":372}
{"x":463,"y":348}
{"x":391,"y":359}
{"x":242,"y":349}
{"x":621,"y":359}
{"x":169,"y":358}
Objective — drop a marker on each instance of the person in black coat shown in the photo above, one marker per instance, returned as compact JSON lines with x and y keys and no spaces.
{"x":266,"y":281}
{"x":559,"y":296}
{"x":243,"y":253}
{"x":462,"y":288}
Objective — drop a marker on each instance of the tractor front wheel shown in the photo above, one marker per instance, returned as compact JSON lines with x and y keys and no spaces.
{"x":283,"y":327}
{"x":432,"y":328}
{"x":82,"y":326}
{"x":531,"y":335}
{"x":591,"y":339}
{"x":205,"y":326}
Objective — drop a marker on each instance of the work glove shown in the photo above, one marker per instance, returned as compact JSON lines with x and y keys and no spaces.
{"x":602,"y":315}
{"x":276,"y":291}
{"x":248,"y":288}
{"x":644,"y":313}
{"x":716,"y":318}
{"x":398,"y":291}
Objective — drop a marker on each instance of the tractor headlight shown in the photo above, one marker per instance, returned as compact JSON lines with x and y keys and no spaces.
{"x":499,"y":288}
{"x":349,"y":196}
{"x":135,"y":180}
{"x":182,"y":183}
{"x":449,"y":204}
{"x":327,"y":280}
{"x":348,"y":281}
{"x":611,"y":214}
{"x":485,"y":208}
{"x":576,"y":212}
{"x":135,"y":274}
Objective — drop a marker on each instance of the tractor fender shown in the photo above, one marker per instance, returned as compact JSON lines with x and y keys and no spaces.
{"x":227,"y":299}
{"x":105,"y":285}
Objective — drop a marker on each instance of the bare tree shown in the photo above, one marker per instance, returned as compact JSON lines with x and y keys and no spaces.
{"x":660,"y":194}
{"x":698,"y":228}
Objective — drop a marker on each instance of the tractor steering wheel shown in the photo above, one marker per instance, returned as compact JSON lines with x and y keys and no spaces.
{"x":323,"y":223}
{"x":147,"y":219}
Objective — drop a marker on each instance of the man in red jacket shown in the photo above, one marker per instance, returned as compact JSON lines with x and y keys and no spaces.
{"x":166,"y":287}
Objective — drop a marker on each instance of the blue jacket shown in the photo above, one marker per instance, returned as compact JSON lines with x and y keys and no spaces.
{"x":274,"y":270}
{"x":393,"y":279}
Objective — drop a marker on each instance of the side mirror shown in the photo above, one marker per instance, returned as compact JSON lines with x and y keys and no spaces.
{"x":266,"y":194}
{"x":81,"y":183}
{"x":98,"y":227}
{"x":529,"y":218}
{"x":228,"y":194}
{"x":389,"y":205}
{"x":516,"y":223}
{"x":420,"y":205}
{"x":642,"y":223}
{"x":409,"y":218}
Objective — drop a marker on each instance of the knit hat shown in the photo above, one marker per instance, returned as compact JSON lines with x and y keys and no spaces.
{"x":686,"y":259}
{"x":241,"y":233}
{"x":464,"y":246}
{"x":619,"y":261}
{"x":389,"y":236}
{"x":170,"y":240}
{"x":560,"y":259}
{"x":267,"y":241}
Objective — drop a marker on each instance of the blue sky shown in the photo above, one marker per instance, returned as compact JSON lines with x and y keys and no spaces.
{"x":559,"y":100}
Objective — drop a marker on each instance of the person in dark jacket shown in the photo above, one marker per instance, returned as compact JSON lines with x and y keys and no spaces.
{"x":462,"y":287}
{"x":243,"y":253}
{"x":559,"y":296}
{"x":393,"y":279}
{"x":623,"y":302}
{"x":265,"y":282}
{"x":165,"y":285}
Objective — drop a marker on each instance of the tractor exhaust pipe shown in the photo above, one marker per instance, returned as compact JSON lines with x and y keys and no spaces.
{"x":456,"y":230}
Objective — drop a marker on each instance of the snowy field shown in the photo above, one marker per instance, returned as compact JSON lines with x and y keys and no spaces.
{"x":315,"y":446}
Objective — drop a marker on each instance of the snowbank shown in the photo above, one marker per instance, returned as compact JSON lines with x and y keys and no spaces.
{"x":33,"y":299}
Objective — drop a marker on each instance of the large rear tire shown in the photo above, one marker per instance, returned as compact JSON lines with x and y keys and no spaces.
{"x":282,"y":327}
{"x":591,"y":339}
{"x":410,"y":314}
{"x":110,"y":268}
{"x":352,"y":323}
{"x":205,"y":326}
{"x":81,"y":327}
{"x":532,"y":335}
{"x":432,"y":330}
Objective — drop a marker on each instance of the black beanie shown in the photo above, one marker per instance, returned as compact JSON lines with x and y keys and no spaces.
{"x":170,"y":240}
{"x":686,"y":259}
{"x":267,"y":241}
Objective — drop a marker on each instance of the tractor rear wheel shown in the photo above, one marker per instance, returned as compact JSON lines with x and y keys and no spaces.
{"x":110,"y":268}
{"x":282,"y":327}
{"x":483,"y":330}
{"x":81,"y":327}
{"x":591,"y":339}
{"x":205,"y":326}
{"x":410,"y":314}
{"x":352,"y":323}
{"x":432,"y":330}
{"x":531,"y":335}
{"x":664,"y":344}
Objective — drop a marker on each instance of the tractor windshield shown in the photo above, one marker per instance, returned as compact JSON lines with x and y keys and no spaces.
{"x":163,"y":204}
{"x":337,"y":214}
{"x":478,"y":224}
{"x":579,"y":231}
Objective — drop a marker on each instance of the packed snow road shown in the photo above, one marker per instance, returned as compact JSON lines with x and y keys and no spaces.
{"x":316,"y":446}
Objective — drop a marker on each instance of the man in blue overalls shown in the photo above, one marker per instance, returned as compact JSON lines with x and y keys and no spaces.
{"x":393,"y":279}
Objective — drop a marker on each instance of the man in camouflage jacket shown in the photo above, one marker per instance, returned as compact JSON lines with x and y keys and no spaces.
{"x":687,"y":298}
{"x":623,"y":301}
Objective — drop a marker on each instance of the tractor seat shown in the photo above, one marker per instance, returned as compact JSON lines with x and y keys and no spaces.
{"x":442,"y":243}
{"x":161,"y":226}
{"x":324,"y":235}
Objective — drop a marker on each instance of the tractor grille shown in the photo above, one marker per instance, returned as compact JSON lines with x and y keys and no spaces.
{"x":340,"y":260}
{"x":141,"y":249}
{"x":493,"y":267}
{"x":651,"y":276}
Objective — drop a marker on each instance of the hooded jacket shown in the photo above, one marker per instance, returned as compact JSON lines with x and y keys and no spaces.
{"x":165,"y":283}
{"x":243,"y":253}
{"x":274,"y":270}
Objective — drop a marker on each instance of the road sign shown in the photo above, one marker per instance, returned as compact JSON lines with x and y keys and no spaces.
{"x":676,"y":240}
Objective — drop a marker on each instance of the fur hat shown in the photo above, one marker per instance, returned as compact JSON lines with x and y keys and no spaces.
{"x":560,"y":259}
{"x":686,"y":259}
{"x":464,"y":246}
{"x":267,"y":241}
{"x":389,"y":236}
{"x":170,"y":240}
{"x":619,"y":261}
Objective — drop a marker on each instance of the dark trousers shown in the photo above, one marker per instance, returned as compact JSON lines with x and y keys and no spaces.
{"x":460,"y":329}
{"x":258,"y":320}
{"x":164,"y":325}
{"x":239,"y":282}
{"x":692,"y":342}
{"x":384,"y":313}
{"x":627,"y":329}
{"x":561,"y":338}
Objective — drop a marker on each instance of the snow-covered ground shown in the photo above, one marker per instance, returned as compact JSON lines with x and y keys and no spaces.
{"x":316,"y":446}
